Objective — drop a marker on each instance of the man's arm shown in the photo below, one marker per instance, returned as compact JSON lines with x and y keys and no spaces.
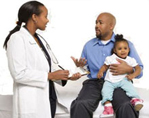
{"x":79,"y":63}
{"x":133,"y":53}
{"x":121,"y":68}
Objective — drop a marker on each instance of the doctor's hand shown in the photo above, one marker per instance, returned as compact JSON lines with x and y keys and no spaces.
{"x":58,"y":75}
{"x":79,"y":63}
{"x":121,"y":68}
{"x":75,"y":76}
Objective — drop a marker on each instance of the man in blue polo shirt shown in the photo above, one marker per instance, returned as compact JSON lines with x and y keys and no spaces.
{"x":93,"y":56}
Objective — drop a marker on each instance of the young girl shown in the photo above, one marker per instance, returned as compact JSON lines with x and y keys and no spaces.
{"x":120,"y":51}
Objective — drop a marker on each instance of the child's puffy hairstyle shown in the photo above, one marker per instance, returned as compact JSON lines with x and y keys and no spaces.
{"x":119,"y":38}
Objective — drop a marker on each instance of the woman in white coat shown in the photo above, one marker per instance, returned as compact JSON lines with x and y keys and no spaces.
{"x":31,"y":66}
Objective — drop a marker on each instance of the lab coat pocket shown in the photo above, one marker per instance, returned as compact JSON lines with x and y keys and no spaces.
{"x":27,"y":99}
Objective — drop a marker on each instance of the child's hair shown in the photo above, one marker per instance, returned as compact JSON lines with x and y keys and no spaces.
{"x":118,"y":38}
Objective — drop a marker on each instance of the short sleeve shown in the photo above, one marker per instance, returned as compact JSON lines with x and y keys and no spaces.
{"x":107,"y":60}
{"x":133,"y":62}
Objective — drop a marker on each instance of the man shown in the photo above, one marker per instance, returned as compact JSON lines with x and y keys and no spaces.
{"x":93,"y":55}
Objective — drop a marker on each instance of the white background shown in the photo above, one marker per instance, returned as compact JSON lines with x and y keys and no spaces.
{"x":72,"y":24}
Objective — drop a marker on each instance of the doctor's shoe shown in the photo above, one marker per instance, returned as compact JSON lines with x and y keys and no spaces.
{"x":108,"y":112}
{"x":137,"y":103}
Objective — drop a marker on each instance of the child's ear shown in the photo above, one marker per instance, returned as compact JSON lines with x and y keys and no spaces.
{"x":129,"y":49}
{"x":114,"y":50}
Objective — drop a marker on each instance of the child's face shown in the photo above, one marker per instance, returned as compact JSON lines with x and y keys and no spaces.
{"x":122,"y":49}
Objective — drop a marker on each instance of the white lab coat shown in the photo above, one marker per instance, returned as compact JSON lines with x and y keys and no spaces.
{"x":29,"y":69}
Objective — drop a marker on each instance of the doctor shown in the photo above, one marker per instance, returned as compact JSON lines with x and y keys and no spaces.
{"x":32,"y":65}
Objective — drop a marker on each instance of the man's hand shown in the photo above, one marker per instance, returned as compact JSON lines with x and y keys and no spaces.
{"x":79,"y":63}
{"x":75,"y":76}
{"x":121,"y":68}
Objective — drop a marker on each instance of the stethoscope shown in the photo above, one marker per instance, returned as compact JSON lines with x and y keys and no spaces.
{"x":53,"y":58}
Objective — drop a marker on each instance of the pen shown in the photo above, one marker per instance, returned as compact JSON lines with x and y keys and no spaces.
{"x":61,"y":67}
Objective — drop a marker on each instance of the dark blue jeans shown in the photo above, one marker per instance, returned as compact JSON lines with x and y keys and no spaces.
{"x":90,"y":95}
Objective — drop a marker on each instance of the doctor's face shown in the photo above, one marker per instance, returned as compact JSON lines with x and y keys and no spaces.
{"x":42,"y":20}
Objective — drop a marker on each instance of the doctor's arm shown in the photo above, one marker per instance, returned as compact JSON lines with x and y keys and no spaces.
{"x":16,"y":53}
{"x":63,"y":75}
{"x":58,"y":75}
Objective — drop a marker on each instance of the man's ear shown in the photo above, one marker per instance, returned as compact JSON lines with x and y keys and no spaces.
{"x":111,"y":27}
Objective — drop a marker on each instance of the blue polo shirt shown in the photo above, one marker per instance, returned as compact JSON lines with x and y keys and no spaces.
{"x":95,"y":52}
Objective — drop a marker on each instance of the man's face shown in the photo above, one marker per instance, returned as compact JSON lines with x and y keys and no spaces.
{"x":103,"y":26}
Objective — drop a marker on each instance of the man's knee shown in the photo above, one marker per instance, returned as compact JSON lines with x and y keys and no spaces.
{"x":126,"y":110}
{"x":84,"y":104}
{"x":78,"y":103}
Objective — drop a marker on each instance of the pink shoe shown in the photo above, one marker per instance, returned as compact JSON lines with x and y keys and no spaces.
{"x":137,"y":103}
{"x":108,"y":112}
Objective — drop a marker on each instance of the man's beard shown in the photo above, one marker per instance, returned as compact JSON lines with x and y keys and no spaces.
{"x":98,"y":36}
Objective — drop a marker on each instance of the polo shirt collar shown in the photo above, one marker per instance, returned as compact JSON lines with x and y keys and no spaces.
{"x":98,"y":41}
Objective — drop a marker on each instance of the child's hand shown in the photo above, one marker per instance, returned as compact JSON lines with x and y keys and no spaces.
{"x":130,"y":76}
{"x":99,"y":75}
